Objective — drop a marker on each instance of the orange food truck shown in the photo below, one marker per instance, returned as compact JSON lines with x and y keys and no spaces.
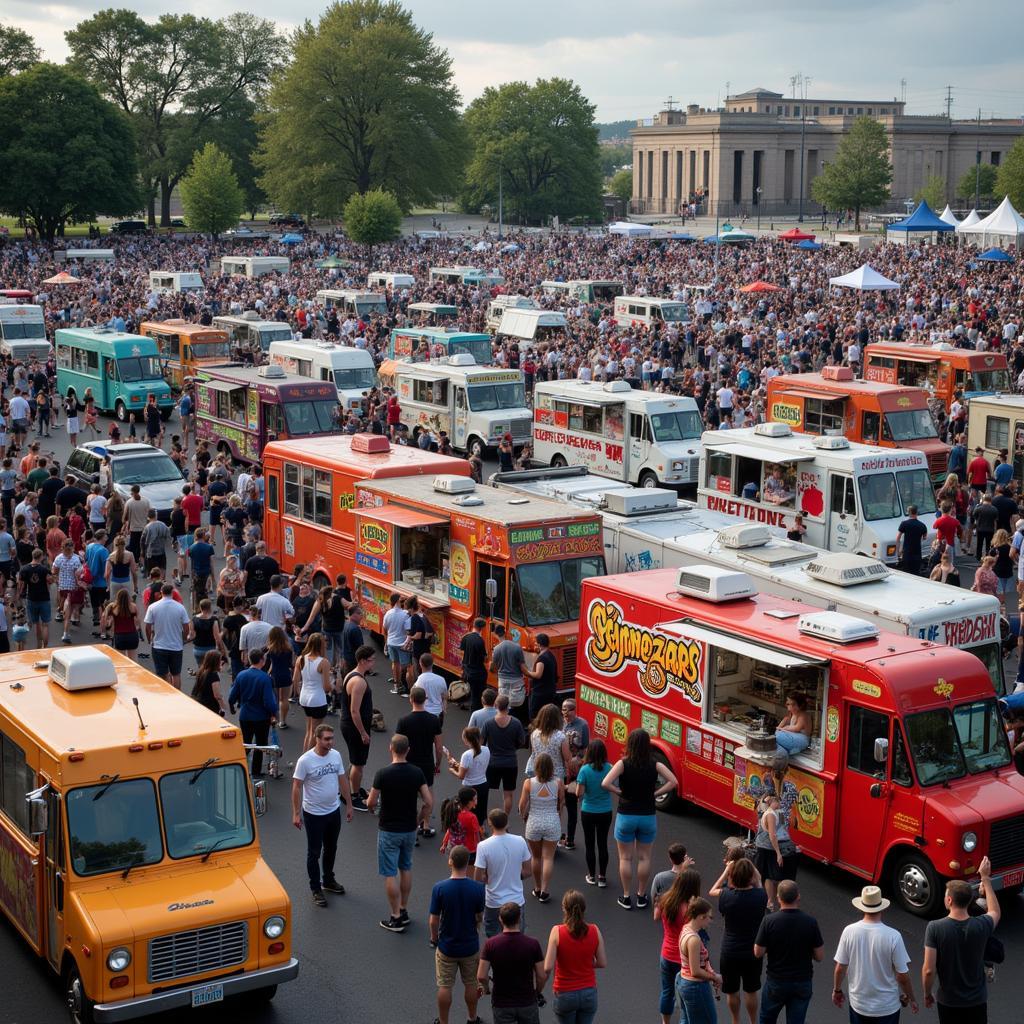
{"x":941,"y":369}
{"x":465,"y":551}
{"x":908,"y":779}
{"x":186,"y":348}
{"x":871,"y":412}
{"x":310,"y":493}
{"x":129,"y":856}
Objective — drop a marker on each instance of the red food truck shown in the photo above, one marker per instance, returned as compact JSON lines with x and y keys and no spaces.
{"x":908,"y":778}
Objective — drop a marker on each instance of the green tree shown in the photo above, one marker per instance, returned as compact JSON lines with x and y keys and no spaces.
{"x":236,"y":132}
{"x":367,"y":102}
{"x":541,"y":141}
{"x":980,"y":181}
{"x":66,"y":154}
{"x":174,"y":77}
{"x":372,"y":218}
{"x":933,"y":192}
{"x":210,"y":193}
{"x":860,"y":175}
{"x":621,"y":184}
{"x":18,"y":51}
{"x":1010,"y":175}
{"x":614,"y":157}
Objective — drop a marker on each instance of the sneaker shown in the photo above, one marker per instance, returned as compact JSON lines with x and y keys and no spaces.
{"x":543,"y":897}
{"x":403,"y":915}
{"x":65,"y":639}
{"x":569,"y":845}
{"x":642,"y":902}
{"x":602,"y":882}
{"x":363,"y":793}
{"x":334,"y":886}
{"x":427,"y":832}
{"x":319,"y":899}
{"x":283,"y":725}
{"x":625,"y":902}
{"x":591,"y":880}
{"x":359,"y":804}
{"x":393,"y":924}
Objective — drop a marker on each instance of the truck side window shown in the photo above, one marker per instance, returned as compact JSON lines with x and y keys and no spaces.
{"x":864,"y":728}
{"x":842,"y":496}
{"x":869,"y":427}
{"x":900,"y":764}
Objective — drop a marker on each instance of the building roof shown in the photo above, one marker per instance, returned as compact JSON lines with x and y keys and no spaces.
{"x":751,"y":93}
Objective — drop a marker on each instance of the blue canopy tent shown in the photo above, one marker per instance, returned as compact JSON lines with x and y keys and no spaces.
{"x":808,"y":245}
{"x":681,"y":236}
{"x":291,"y":239}
{"x":924,"y":218}
{"x":995,"y":256}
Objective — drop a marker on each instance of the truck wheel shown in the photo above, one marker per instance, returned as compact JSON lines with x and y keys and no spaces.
{"x":259,"y":996}
{"x":915,"y":885}
{"x":648,"y":479}
{"x":668,"y":801}
{"x":120,"y":411}
{"x":558,"y":462}
{"x":165,"y":414}
{"x":78,"y":1003}
{"x":475,"y":447}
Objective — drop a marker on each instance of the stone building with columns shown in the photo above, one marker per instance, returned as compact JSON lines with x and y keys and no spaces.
{"x":750,"y":153}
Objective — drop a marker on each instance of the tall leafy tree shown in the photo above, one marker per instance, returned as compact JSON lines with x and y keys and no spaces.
{"x":18,"y":51}
{"x":367,"y":102}
{"x":621,"y":184}
{"x":235,"y":131}
{"x":933,"y":192}
{"x":210,"y":193}
{"x":66,"y":154}
{"x":980,"y":181}
{"x":860,"y":175}
{"x":371,"y":218}
{"x":1010,"y":175}
{"x":541,"y":141}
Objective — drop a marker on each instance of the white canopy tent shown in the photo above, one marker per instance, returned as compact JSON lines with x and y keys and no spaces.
{"x":949,"y":216}
{"x":629,"y":230}
{"x":1003,"y":225}
{"x":971,"y":219}
{"x":863,"y":279}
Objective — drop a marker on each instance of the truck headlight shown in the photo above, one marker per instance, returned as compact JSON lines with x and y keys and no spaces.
{"x":273,"y":927}
{"x":119,"y":959}
{"x":969,"y":842}
{"x":677,"y":466}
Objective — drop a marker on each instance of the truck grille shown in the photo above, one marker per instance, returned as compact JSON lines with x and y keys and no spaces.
{"x":937,"y":464}
{"x":1006,"y":842}
{"x":195,"y":952}
{"x":568,"y":669}
{"x":521,"y":430}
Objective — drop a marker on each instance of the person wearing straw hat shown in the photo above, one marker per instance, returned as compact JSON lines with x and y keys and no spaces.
{"x":872,"y":958}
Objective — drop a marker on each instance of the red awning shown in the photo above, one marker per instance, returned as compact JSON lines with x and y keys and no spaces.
{"x":795,"y":235}
{"x":760,"y":286}
{"x":395,"y":515}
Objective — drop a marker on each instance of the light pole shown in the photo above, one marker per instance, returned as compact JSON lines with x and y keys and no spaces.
{"x":909,"y":204}
{"x":757,"y":192}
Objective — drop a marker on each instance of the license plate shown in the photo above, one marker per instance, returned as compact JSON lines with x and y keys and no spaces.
{"x":207,"y":994}
{"x":1013,"y":878}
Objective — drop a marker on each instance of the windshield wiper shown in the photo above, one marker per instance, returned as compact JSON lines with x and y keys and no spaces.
{"x":202,"y":768}
{"x":137,"y":859}
{"x":213,"y":846}
{"x":111,"y":779}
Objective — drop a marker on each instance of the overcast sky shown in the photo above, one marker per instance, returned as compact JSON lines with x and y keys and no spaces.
{"x":692,"y":50}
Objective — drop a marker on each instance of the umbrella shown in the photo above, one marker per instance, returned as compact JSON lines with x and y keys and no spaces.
{"x":808,"y":245}
{"x":291,"y":239}
{"x":996,"y":256}
{"x":62,"y":278}
{"x":795,"y":235}
{"x":760,"y":286}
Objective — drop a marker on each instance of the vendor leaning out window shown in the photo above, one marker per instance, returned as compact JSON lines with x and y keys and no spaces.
{"x":777,"y":489}
{"x":793,"y":733}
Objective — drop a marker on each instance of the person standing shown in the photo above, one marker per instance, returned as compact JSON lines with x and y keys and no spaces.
{"x":512,"y":969}
{"x":575,"y":949}
{"x":396,"y":631}
{"x":352,"y":637}
{"x":423,"y":731}
{"x":456,"y":908}
{"x":252,"y":693}
{"x":873,"y":958}
{"x":312,"y":678}
{"x":792,"y":942}
{"x":168,"y":629}
{"x":577,"y":732}
{"x":696,"y":975}
{"x":34,"y":582}
{"x":543,"y":677}
{"x":474,"y":663}
{"x":96,"y":555}
{"x":356,"y":714}
{"x":508,"y":661}
{"x":397,"y":788}
{"x":275,"y":608}
{"x":596,"y":811}
{"x":910,"y":537}
{"x":741,"y":904}
{"x":504,"y":736}
{"x":319,"y":785}
{"x":155,"y":536}
{"x":954,"y":953}
{"x":502,"y":862}
{"x":434,"y":687}
{"x":540,"y":805}
{"x":258,"y":570}
{"x":136,"y":515}
{"x":487,"y":711}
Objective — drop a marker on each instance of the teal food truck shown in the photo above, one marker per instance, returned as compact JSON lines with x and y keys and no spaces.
{"x":423,"y":344}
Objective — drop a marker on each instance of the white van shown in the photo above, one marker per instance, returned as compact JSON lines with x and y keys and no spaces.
{"x":853,"y":496}
{"x":254,"y":266}
{"x":497,"y":306}
{"x":350,"y":368}
{"x":89,"y":255}
{"x":580,"y":290}
{"x":352,"y":302}
{"x":248,"y":331}
{"x":23,"y":332}
{"x":164,"y":282}
{"x":431,"y":314}
{"x":475,"y":405}
{"x":385,"y":279}
{"x":450,"y":275}
{"x":643,"y":311}
{"x":616,"y":431}
{"x":532,"y":326}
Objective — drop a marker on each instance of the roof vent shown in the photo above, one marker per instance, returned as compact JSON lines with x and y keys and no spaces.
{"x":744,"y":535}
{"x":454,"y":484}
{"x":830,"y":442}
{"x":837,"y":627}
{"x":636,"y":501}
{"x":467,"y":500}
{"x":82,"y":668}
{"x":461,"y":359}
{"x":843,"y":373}
{"x":370,"y":444}
{"x":712,"y":583}
{"x":271,"y":370}
{"x":943,"y":346}
{"x":616,"y":387}
{"x":773,"y":430}
{"x":250,"y":314}
{"x":846,"y":570}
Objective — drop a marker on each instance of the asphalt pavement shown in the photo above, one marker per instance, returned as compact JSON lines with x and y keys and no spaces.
{"x":351,"y":969}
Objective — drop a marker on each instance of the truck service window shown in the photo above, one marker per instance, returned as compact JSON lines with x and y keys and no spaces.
{"x":422,"y":551}
{"x":113,"y":825}
{"x":207,"y":812}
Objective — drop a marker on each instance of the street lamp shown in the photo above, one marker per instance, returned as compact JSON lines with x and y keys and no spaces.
{"x":757,"y":193}
{"x":909,"y":204}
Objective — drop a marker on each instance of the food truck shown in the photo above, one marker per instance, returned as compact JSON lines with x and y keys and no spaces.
{"x":941,"y":369}
{"x":388,"y":279}
{"x":239,"y":409}
{"x":131,"y":859}
{"x":578,"y":290}
{"x":310,"y":494}
{"x":254,"y":266}
{"x":853,"y":496}
{"x":352,"y":302}
{"x":867,"y":411}
{"x":465,"y":551}
{"x":23,"y":332}
{"x":907,"y":780}
{"x":423,"y":344}
{"x":186,"y":348}
{"x":433,"y":314}
{"x":645,"y":311}
{"x":616,"y":431}
{"x":351,"y":369}
{"x":166,"y":282}
{"x":996,"y":423}
{"x":250,"y":333}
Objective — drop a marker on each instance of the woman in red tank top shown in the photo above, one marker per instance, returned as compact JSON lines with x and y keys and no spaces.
{"x":575,"y":949}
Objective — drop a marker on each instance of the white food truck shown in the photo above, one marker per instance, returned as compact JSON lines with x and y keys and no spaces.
{"x":497,"y":306}
{"x":351,"y":302}
{"x":164,"y":282}
{"x":23,"y":332}
{"x":853,"y":496}
{"x":249,"y":331}
{"x":350,"y":368}
{"x":254,"y":266}
{"x":643,"y":311}
{"x":579,"y":290}
{"x":532,"y":326}
{"x":386,"y":279}
{"x":616,"y":431}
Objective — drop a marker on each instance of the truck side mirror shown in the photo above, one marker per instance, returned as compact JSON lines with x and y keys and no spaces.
{"x":38,"y":816}
{"x":881,"y":750}
{"x":491,"y":589}
{"x":259,"y":796}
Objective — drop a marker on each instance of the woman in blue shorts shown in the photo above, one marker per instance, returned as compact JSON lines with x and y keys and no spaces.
{"x":634,"y":779}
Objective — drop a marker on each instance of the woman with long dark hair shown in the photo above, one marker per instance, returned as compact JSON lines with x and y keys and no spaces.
{"x":207,"y":685}
{"x":121,"y":621}
{"x":280,"y":658}
{"x":575,"y":949}
{"x":595,"y":811}
{"x":471,"y":769}
{"x":671,"y":909}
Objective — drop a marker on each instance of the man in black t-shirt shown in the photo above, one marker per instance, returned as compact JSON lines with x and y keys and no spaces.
{"x":69,"y":496}
{"x":47,"y":500}
{"x":544,"y":675}
{"x":474,"y":663}
{"x":34,"y":586}
{"x":258,"y":571}
{"x":909,"y":538}
{"x":423,"y":731}
{"x":397,"y":788}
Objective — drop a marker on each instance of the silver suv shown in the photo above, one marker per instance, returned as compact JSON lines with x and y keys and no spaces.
{"x":131,"y":462}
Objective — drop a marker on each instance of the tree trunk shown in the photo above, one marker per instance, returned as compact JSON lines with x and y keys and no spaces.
{"x":166,"y":187}
{"x":151,"y":205}
{"x":856,"y":218}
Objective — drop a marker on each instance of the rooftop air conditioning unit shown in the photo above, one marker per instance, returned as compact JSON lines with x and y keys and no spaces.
{"x":843,"y":373}
{"x":837,"y":627}
{"x":82,"y":668}
{"x":711,"y":583}
{"x":744,"y":535}
{"x":943,"y":346}
{"x":271,"y":370}
{"x":846,"y":570}
{"x":830,"y":442}
{"x":637,"y":501}
{"x":250,"y":314}
{"x":773,"y":430}
{"x":461,"y":359}
{"x":370,"y":444}
{"x":617,"y":386}
{"x":454,"y":484}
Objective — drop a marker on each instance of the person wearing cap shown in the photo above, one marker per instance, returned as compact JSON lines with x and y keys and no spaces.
{"x":872,"y":959}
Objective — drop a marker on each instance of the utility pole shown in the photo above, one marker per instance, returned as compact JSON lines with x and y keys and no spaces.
{"x":977,"y":164}
{"x":798,"y":77}
{"x":949,"y":102}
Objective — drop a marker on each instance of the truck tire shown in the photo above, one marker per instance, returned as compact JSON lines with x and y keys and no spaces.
{"x":558,"y":462}
{"x":474,"y":446}
{"x":648,"y":479}
{"x":165,"y":414}
{"x":260,"y":996}
{"x":120,"y":411}
{"x":78,"y":1003}
{"x":669,"y":802}
{"x":915,"y":885}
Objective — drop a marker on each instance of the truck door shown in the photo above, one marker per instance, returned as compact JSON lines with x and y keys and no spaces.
{"x":639,"y":445}
{"x":272,"y":520}
{"x":492,"y":609}
{"x":843,"y":525}
{"x":461,"y":425}
{"x":53,"y":878}
{"x":1018,"y":449}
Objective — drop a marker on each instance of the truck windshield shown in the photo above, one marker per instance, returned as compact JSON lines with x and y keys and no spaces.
{"x":488,"y":397}
{"x":996,"y":382}
{"x":550,"y":591}
{"x":113,"y":827}
{"x":304,"y":418}
{"x":22,"y":330}
{"x":269,"y":334}
{"x":888,"y":495}
{"x":137,"y":368}
{"x":480,"y":350}
{"x":211,"y":349}
{"x":144,"y":469}
{"x":676,"y":426}
{"x":357,"y":378}
{"x":910,"y":425}
{"x":948,"y":744}
{"x":206,"y":812}
{"x":675,"y":311}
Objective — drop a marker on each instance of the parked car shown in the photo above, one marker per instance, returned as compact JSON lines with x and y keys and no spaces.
{"x":131,"y":462}
{"x":289,"y":220}
{"x":129,"y":227}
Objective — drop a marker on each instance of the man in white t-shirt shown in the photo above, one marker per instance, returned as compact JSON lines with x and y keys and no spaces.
{"x":168,"y":629}
{"x":434,"y":686}
{"x":253,"y":635}
{"x":872,"y":957}
{"x":502,"y":861}
{"x":275,"y":608}
{"x":319,"y":784}
{"x":396,"y":630}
